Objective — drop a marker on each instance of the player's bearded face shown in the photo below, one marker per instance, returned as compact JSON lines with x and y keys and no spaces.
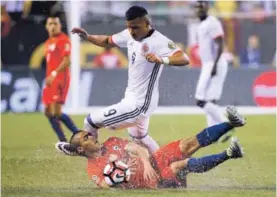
{"x":53,"y":26}
{"x":200,"y":9}
{"x":138,"y":28}
{"x":89,"y":143}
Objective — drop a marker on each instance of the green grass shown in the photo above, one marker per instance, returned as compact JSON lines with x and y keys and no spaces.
{"x":31,"y":166}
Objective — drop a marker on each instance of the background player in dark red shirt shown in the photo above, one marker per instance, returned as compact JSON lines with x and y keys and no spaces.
{"x":57,"y":53}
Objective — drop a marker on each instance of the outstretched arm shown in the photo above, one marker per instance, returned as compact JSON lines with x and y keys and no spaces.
{"x":99,"y":40}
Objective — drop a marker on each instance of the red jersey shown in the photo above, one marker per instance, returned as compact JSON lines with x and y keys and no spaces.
{"x":114,"y":148}
{"x":56,"y":48}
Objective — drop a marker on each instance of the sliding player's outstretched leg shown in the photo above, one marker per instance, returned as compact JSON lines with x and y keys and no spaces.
{"x":212,"y":134}
{"x":204,"y":164}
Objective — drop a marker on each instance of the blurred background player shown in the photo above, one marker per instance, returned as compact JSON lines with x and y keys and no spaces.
{"x":57,"y":81}
{"x":161,"y":168}
{"x":148,"y":52}
{"x":214,"y":67}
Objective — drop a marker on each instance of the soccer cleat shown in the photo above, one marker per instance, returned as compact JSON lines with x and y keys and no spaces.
{"x":235,"y":119}
{"x":64,"y":147}
{"x":235,"y":150}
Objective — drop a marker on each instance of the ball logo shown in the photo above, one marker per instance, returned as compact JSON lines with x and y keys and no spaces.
{"x":264,"y":89}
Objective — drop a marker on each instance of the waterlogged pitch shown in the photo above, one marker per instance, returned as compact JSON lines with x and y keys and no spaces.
{"x":32,"y":167}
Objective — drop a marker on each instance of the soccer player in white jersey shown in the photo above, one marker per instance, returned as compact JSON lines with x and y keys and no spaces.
{"x":214,"y":68}
{"x":148,"y":52}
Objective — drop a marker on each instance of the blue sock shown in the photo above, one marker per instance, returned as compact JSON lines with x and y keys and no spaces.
{"x":207,"y":163}
{"x":57,"y":128}
{"x":212,"y":134}
{"x":68,"y":122}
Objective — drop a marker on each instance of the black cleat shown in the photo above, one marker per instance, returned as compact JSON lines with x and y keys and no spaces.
{"x":64,"y":147}
{"x":235,"y":150}
{"x":235,"y":119}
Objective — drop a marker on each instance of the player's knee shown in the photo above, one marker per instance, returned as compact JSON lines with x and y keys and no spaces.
{"x":175,"y":168}
{"x":214,"y":101}
{"x":200,"y":103}
{"x":48,"y":113}
{"x":88,"y":122}
{"x":57,"y":114}
{"x":189,"y":146}
{"x":137,"y":134}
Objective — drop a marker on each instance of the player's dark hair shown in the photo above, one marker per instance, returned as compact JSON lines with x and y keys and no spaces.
{"x":135,"y":12}
{"x":74,"y":146}
{"x":206,"y":3}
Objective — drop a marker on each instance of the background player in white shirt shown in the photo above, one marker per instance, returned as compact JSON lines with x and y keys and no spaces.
{"x":214,"y":67}
{"x":148,"y":51}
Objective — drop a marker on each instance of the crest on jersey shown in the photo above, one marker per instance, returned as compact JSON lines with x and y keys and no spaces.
{"x":144,"y":48}
{"x":51,"y":47}
{"x":172,"y":45}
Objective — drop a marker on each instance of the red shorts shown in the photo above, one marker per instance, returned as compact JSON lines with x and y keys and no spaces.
{"x":166,"y":155}
{"x":56,"y":93}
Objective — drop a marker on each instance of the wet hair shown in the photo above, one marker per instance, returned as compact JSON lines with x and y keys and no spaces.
{"x":205,"y":2}
{"x":135,"y":12}
{"x":74,"y":144}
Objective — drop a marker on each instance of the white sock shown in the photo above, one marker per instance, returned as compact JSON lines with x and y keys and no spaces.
{"x":215,"y":112}
{"x":150,"y":143}
{"x":210,"y":121}
{"x":90,"y":129}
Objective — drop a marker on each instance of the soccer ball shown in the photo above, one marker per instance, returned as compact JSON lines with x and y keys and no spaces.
{"x":116,"y":172}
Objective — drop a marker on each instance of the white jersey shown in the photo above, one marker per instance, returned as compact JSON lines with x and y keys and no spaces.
{"x":208,"y":30}
{"x":143,"y":76}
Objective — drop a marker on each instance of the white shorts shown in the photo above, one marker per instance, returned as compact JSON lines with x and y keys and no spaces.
{"x":122,"y":115}
{"x":208,"y":87}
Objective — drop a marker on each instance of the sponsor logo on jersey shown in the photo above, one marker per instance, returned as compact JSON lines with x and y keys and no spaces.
{"x":133,"y":57}
{"x":116,"y":148}
{"x":95,"y":178}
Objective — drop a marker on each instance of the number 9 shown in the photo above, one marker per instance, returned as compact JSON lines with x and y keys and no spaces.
{"x":110,"y":112}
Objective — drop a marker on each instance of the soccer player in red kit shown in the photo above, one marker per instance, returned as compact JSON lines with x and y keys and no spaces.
{"x":162,"y":167}
{"x":57,"y":53}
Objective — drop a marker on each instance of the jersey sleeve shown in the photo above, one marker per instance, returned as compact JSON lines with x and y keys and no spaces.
{"x":166,"y":48}
{"x":65,"y":47}
{"x":95,"y":174}
{"x":121,"y":39}
{"x":216,"y":29}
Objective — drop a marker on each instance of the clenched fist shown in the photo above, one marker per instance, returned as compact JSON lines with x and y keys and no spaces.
{"x":151,"y":57}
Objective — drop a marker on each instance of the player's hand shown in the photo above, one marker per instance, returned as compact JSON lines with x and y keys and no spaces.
{"x":214,"y":70}
{"x":149,"y":173}
{"x":151,"y":57}
{"x":132,"y":164}
{"x":49,"y":80}
{"x":81,"y":32}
